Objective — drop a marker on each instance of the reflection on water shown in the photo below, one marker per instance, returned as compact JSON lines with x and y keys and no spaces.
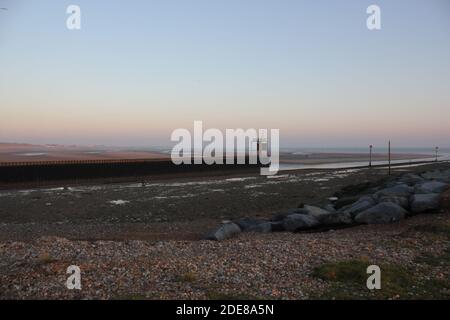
{"x":357,"y":164}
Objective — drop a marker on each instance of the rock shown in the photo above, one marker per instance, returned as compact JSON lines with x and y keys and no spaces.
{"x":401,"y":201}
{"x":248,"y":223}
{"x":362,"y":204}
{"x":400,"y":190}
{"x":333,"y":219}
{"x":279,"y":217}
{"x":384,"y":212}
{"x":295,"y":210}
{"x":342,"y":202}
{"x":330,"y":208}
{"x":277,"y":226}
{"x":411,"y":179}
{"x":313,"y":211}
{"x":296,"y":222}
{"x":431,"y":187}
{"x":225,"y":231}
{"x":424,"y":202}
{"x":443,"y":176}
{"x":264,"y":227}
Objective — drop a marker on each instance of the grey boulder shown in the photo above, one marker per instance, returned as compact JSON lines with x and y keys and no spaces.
{"x":437,"y":175}
{"x":277,"y":226}
{"x":225,"y":231}
{"x":411,"y":178}
{"x":362,"y":204}
{"x":424,"y":202}
{"x":400,"y":190}
{"x":401,"y":201}
{"x":264,"y":227}
{"x":279,"y":217}
{"x":330,"y":208}
{"x":296,"y":222}
{"x":312,"y":211}
{"x":333,"y":219}
{"x":382,"y":213}
{"x":248,"y":223}
{"x":431,"y":187}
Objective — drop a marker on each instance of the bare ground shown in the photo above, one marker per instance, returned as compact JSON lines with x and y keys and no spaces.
{"x":159,"y":256}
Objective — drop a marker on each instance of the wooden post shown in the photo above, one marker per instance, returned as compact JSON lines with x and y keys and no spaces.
{"x":370,"y":156}
{"x":389,"y":156}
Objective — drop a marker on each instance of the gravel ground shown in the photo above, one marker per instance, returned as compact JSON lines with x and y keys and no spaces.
{"x":267,"y":266}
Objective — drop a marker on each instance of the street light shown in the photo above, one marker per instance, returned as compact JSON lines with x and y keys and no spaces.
{"x":389,"y":156}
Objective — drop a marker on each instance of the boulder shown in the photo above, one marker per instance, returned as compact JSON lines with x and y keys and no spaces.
{"x":443,"y":175}
{"x":277,"y":226}
{"x":400,"y":190}
{"x":411,"y":179}
{"x":338,"y":218}
{"x":384,"y":212}
{"x":345,"y":201}
{"x":424,"y":202}
{"x":401,"y":201}
{"x":279,"y":217}
{"x":225,"y":231}
{"x":264,"y":227}
{"x":431,"y":187}
{"x":330,"y":208}
{"x":312,"y":211}
{"x":297,"y":222}
{"x":248,"y":223}
{"x":362,"y":204}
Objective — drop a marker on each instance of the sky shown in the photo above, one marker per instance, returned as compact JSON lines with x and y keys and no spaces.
{"x":137,"y":70}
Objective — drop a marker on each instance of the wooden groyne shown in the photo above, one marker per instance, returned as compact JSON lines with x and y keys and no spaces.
{"x":76,"y":170}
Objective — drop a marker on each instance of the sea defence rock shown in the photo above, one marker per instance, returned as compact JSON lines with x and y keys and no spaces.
{"x":385,"y":212}
{"x":401,"y":201}
{"x":277,"y":226}
{"x":345,"y":201}
{"x":330,"y":208}
{"x":431,"y":187}
{"x":362,"y":204}
{"x":279,"y":217}
{"x":312,"y":211}
{"x":225,"y":231}
{"x":264,"y":227}
{"x":400,"y":190}
{"x":335,"y":219}
{"x":248,"y":223}
{"x":411,"y":179}
{"x":298,"y":222}
{"x":389,"y":203}
{"x":443,"y":175}
{"x":424,"y":202}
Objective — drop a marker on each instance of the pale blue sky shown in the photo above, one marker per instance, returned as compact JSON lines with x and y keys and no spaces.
{"x":139,"y":69}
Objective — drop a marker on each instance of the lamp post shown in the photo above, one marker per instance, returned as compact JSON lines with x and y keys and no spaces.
{"x":389,"y":152}
{"x":370,"y":156}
